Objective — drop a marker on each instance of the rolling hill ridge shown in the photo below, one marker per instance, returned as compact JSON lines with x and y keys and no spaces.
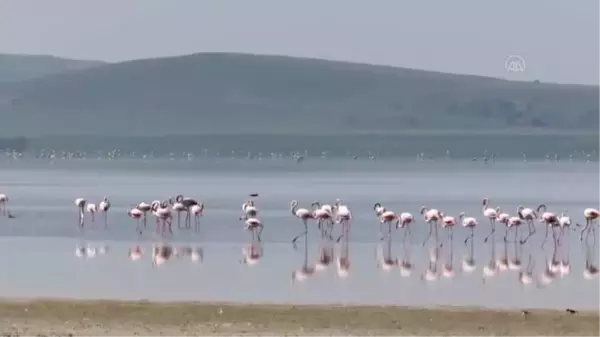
{"x":241,"y":93}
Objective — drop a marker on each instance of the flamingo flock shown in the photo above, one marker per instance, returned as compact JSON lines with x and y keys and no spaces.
{"x":336,"y":218}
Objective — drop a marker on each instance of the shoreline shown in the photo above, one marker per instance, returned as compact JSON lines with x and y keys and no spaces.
{"x":60,"y":316}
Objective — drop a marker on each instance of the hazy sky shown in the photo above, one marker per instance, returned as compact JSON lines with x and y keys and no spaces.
{"x":557,"y":39}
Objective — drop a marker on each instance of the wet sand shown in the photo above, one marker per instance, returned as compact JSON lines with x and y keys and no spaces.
{"x":75,"y":317}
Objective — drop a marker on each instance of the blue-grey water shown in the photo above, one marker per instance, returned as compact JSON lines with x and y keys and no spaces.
{"x":37,"y":248}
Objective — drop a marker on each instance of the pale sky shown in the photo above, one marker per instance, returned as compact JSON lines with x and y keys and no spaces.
{"x":558,"y":39}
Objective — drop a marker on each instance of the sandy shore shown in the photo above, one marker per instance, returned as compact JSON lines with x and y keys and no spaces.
{"x":71,"y":317}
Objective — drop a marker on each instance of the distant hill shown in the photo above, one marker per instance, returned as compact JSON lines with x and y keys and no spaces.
{"x":233,"y":93}
{"x":24,"y":67}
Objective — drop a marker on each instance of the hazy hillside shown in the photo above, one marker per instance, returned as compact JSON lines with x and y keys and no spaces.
{"x":24,"y":67}
{"x":216,"y":92}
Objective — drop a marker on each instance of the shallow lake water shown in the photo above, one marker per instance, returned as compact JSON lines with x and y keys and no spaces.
{"x":37,"y":247}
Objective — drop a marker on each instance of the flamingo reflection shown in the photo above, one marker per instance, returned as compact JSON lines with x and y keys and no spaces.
{"x":502,"y":262}
{"x":448,"y":265}
{"x":195,"y":254}
{"x":161,"y":253}
{"x":468,"y":261}
{"x":135,"y":253}
{"x":526,"y":275}
{"x":406,"y":265}
{"x":384,"y":257}
{"x":552,"y":268}
{"x":305,"y":271}
{"x":591,"y":270}
{"x":491,"y":268}
{"x":515,"y":263}
{"x":343,"y":261}
{"x":325,"y":255}
{"x":252,"y":253}
{"x":431,"y":273}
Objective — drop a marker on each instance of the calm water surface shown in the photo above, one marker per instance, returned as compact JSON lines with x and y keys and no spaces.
{"x":37,"y":252}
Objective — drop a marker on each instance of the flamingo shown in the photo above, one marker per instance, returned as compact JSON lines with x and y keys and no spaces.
{"x":177,"y":207}
{"x":188,"y":203}
{"x":250,"y":210}
{"x":161,"y":253}
{"x":468,"y":222}
{"x":492,"y":215}
{"x":3,"y":203}
{"x":197,"y":210}
{"x":91,"y":208}
{"x":135,"y":253}
{"x":302,"y":214}
{"x":550,"y":220}
{"x":144,"y":208}
{"x":378,"y":209}
{"x":406,"y":219}
{"x":564,"y":221}
{"x":252,"y":224}
{"x":512,"y":222}
{"x":136,"y":214}
{"x":503,"y":218}
{"x":343,"y":216}
{"x":388,"y":217}
{"x":104,"y":206}
{"x":324,"y":216}
{"x":80,"y":203}
{"x":528,"y":215}
{"x":590,"y":215}
{"x":432,"y":216}
{"x":162,"y":213}
{"x":448,"y":222}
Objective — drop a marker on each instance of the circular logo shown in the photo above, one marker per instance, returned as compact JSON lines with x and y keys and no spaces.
{"x":515,"y":64}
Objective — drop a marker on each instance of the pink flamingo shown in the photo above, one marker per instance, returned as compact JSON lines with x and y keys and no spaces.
{"x":103,"y":207}
{"x":590,"y":215}
{"x":253,"y":225}
{"x":3,"y":203}
{"x":343,"y":216}
{"x":528,"y":215}
{"x":324,"y":216}
{"x":145,"y":208}
{"x":431,"y":216}
{"x":491,"y":214}
{"x":448,"y":222}
{"x":302,"y":214}
{"x":162,"y":213}
{"x":468,"y":222}
{"x":197,"y":211}
{"x":136,"y":214}
{"x":252,"y":253}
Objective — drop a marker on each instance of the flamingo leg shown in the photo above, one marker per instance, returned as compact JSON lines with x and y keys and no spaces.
{"x":493,"y":225}
{"x":470,"y":235}
{"x":145,"y":219}
{"x":260,"y":229}
{"x":105,"y":219}
{"x":429,"y":235}
{"x":406,"y":233}
{"x":197,"y":223}
{"x":389,"y":233}
{"x":531,"y":231}
{"x":305,"y":233}
{"x":546,"y":236}
{"x":179,"y":219}
{"x":188,"y":219}
{"x":344,"y":223}
{"x":585,"y":228}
